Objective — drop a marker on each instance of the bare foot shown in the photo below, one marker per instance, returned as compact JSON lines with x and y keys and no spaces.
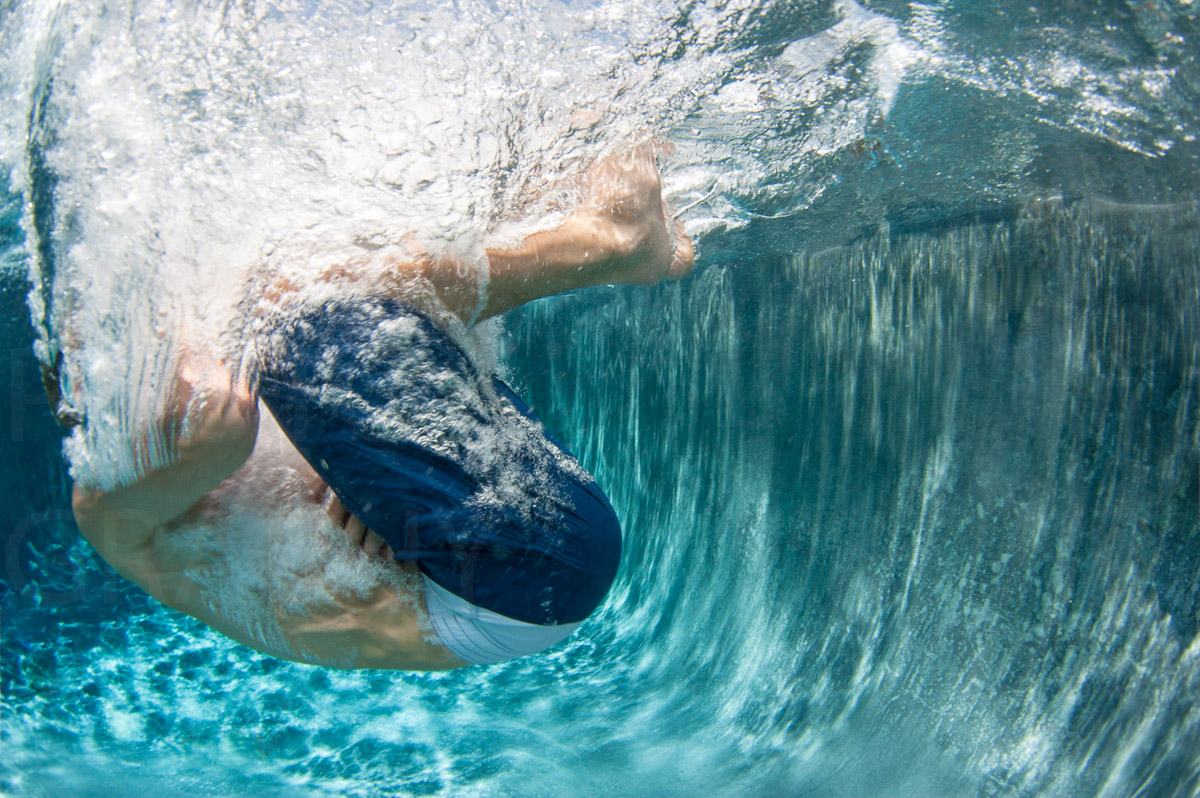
{"x":624,"y":205}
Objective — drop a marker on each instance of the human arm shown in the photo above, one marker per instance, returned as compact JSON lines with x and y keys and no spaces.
{"x":211,"y":420}
{"x":620,"y":234}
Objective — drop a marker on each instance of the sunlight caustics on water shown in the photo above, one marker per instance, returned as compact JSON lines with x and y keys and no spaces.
{"x":908,"y":469}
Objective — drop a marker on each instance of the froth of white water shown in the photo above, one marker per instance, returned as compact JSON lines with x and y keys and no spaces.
{"x":191,"y":147}
{"x":199,"y":152}
{"x":196,"y":149}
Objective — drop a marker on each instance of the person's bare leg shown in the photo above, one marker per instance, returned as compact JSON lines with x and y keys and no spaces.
{"x":619,"y":234}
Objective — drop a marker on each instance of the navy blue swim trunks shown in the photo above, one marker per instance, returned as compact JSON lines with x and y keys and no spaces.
{"x":443,"y":461}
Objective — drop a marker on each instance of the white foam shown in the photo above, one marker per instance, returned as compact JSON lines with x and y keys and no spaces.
{"x":204,"y":155}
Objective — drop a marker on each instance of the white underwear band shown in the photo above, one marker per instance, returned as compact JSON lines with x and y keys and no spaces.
{"x":480,"y":636}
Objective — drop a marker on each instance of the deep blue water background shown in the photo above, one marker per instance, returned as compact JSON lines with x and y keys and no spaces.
{"x":910,"y":483}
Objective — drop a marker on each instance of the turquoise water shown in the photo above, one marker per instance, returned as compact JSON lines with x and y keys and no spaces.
{"x":908,"y":468}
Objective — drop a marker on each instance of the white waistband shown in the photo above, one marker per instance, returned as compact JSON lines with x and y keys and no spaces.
{"x":480,"y":636}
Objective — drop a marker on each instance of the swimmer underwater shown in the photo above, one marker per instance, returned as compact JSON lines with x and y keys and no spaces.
{"x":421,"y":554}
